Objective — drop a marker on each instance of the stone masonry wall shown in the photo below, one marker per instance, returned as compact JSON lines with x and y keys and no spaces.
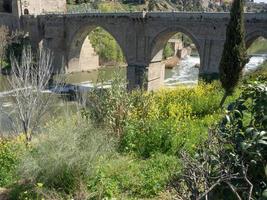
{"x":36,"y":7}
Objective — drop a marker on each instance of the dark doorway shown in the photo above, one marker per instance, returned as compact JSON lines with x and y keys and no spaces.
{"x":26,"y":11}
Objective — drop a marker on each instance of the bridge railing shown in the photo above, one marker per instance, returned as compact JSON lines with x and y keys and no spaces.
{"x":87,"y":10}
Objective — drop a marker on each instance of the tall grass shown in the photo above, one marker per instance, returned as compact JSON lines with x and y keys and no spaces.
{"x":65,"y":154}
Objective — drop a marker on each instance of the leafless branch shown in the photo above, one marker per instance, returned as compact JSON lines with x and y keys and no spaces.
{"x":29,"y":80}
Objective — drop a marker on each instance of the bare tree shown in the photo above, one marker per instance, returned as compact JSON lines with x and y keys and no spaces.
{"x":4,"y":32}
{"x":29,"y":80}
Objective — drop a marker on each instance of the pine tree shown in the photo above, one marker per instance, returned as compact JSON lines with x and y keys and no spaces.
{"x":234,"y":56}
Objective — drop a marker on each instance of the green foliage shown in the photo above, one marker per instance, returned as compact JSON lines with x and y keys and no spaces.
{"x":110,"y":107}
{"x":168,"y":51}
{"x":259,"y":46}
{"x":123,"y":177}
{"x":259,"y":75}
{"x":26,"y":191}
{"x":106,"y":46}
{"x":234,"y":56}
{"x":17,"y":42}
{"x":233,"y":159}
{"x":62,"y":157}
{"x":10,"y":152}
{"x":245,"y":128}
{"x":170,"y":120}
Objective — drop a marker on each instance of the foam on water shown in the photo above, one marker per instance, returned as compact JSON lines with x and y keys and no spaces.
{"x":254,"y":63}
{"x":187,"y":72}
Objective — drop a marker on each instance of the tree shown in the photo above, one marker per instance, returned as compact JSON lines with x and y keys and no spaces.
{"x":234,"y":56}
{"x":30,"y":77}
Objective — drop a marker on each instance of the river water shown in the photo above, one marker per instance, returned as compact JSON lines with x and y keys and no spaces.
{"x":186,"y":73}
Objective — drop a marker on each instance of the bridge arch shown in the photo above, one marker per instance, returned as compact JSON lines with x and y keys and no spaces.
{"x":77,"y":55}
{"x":160,"y":40}
{"x":156,"y":70}
{"x":251,"y":37}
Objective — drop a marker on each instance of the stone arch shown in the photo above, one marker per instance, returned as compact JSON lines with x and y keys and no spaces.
{"x":162,"y":38}
{"x":79,"y":41}
{"x":251,"y":37}
{"x":156,"y":69}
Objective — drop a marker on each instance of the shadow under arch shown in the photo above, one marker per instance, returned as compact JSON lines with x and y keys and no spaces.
{"x":79,"y":41}
{"x":160,"y":40}
{"x":251,"y":37}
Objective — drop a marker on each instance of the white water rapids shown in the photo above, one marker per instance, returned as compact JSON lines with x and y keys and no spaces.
{"x":187,"y":72}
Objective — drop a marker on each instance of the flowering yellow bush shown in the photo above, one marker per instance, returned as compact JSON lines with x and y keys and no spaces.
{"x":10,"y":151}
{"x":170,"y":119}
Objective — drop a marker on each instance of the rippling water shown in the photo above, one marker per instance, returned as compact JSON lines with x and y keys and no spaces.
{"x":186,"y":73}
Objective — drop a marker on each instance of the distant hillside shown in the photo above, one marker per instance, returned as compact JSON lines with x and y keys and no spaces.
{"x":161,"y":5}
{"x":150,"y":5}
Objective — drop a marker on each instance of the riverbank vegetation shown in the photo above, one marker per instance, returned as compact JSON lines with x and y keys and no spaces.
{"x":174,"y":143}
{"x":106,"y":47}
{"x":259,"y":46}
{"x":139,"y":145}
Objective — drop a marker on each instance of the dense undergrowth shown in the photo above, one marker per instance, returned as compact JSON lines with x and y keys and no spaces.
{"x":124,"y":146}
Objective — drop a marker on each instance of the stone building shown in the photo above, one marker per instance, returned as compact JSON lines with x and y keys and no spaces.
{"x":6,"y":6}
{"x":32,"y":7}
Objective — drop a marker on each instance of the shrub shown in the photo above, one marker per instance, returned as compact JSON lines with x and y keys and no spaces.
{"x":10,"y":151}
{"x":170,"y":120}
{"x":232,"y":162}
{"x":168,"y":51}
{"x":110,"y":107}
{"x":259,"y":75}
{"x":65,"y":154}
{"x":126,"y":176}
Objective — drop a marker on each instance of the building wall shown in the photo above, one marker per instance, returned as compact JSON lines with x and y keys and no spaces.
{"x":36,"y":7}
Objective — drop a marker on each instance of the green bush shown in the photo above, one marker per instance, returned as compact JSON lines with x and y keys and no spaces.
{"x":125,"y":176}
{"x":65,"y":154}
{"x":106,"y":46}
{"x":231,"y":163}
{"x":168,"y":51}
{"x":259,"y":75}
{"x":10,"y":152}
{"x":168,"y":121}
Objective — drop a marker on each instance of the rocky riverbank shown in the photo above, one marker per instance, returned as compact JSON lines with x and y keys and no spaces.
{"x":182,"y":53}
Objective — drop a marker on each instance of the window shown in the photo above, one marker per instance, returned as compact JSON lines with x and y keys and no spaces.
{"x":26,"y":11}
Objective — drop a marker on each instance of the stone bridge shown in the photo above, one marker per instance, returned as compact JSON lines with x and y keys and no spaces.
{"x":141,"y":36}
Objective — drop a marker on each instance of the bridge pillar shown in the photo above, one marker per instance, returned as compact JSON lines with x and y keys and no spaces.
{"x":210,"y":53}
{"x":156,"y":74}
{"x":148,"y":78}
{"x":137,"y":76}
